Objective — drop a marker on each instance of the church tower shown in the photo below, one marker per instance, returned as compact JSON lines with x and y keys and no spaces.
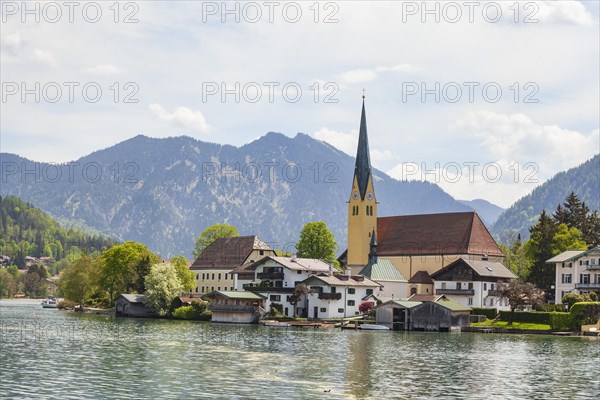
{"x":362,"y":206}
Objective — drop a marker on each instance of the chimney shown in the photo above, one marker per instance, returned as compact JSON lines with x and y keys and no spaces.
{"x":330,"y":269}
{"x":293,"y":259}
{"x":348,"y":271}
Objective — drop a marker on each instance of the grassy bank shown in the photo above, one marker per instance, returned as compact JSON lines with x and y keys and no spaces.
{"x":515,"y":325}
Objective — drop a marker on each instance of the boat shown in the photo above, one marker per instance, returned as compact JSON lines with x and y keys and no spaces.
{"x":50,"y":302}
{"x":276,"y":324}
{"x":374,"y":327}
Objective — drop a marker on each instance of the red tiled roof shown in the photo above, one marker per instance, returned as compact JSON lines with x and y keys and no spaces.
{"x":430,"y":234}
{"x":228,"y":253}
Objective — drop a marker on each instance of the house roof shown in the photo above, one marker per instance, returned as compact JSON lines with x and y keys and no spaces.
{"x":243,"y":271}
{"x":481,"y":267}
{"x":402,"y":303}
{"x":236,"y":294}
{"x":133,"y":298}
{"x":421,"y":277}
{"x":426,"y":297}
{"x":452,"y":305}
{"x":295,"y":264}
{"x":382,"y":269}
{"x":228,"y":253}
{"x":432,"y":234}
{"x":572,"y":255}
{"x":342,"y":280}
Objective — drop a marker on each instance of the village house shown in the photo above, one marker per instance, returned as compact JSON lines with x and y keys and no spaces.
{"x":236,"y":307}
{"x":337,"y":296}
{"x":213,"y":267}
{"x":577,"y":271}
{"x":276,"y":277}
{"x":472,"y":283}
{"x":420,"y":283}
{"x":132,"y":305}
{"x":412,"y":243}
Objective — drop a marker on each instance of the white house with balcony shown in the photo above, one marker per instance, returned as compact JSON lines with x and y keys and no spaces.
{"x":472,"y":283}
{"x":276,"y":277}
{"x":337,"y":296}
{"x":577,"y":271}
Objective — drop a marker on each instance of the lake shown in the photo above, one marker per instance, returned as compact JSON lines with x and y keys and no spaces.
{"x":56,"y":354}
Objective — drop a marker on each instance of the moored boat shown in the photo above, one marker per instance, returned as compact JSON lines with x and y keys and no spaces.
{"x":374,"y":327}
{"x":50,"y":302}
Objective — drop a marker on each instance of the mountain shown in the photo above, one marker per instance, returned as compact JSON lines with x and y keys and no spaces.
{"x":584,"y":180}
{"x":27,"y":231}
{"x":164,"y":192}
{"x":487,"y":211}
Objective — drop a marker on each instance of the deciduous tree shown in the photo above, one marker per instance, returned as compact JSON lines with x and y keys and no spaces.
{"x":162,"y":286}
{"x":185,"y":275}
{"x":211,"y":234}
{"x":519,"y":293}
{"x":80,"y":279}
{"x":316,"y":241}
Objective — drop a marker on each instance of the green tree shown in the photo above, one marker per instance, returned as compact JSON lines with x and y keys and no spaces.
{"x":571,"y":298}
{"x":7,"y":284}
{"x":211,"y":234}
{"x":119,"y":265}
{"x":185,"y":275}
{"x":576,"y":214}
{"x":162,"y":286}
{"x":539,"y":248}
{"x":81,"y":279}
{"x":567,"y":239}
{"x":519,"y":293}
{"x":515,"y":258}
{"x":316,"y":241}
{"x":13,"y":270}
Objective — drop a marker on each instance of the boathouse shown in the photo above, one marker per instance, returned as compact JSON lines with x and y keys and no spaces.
{"x":132,"y":305}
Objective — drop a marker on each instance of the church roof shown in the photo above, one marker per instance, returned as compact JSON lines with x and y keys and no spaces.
{"x":362,"y":168}
{"x":432,"y":234}
{"x":382,"y":270}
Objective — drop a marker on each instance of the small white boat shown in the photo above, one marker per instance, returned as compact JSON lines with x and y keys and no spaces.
{"x":50,"y":302}
{"x":373,"y":327}
{"x":277,"y":324}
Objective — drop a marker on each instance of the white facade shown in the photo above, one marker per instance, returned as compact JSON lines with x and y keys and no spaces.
{"x":336,"y":301}
{"x":577,"y":272}
{"x":472,"y":294}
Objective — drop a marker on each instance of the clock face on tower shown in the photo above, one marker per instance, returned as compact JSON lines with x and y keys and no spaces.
{"x":370,"y":196}
{"x":355,"y":195}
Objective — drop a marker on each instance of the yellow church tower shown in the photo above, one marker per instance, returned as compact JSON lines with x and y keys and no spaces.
{"x":362,"y":206}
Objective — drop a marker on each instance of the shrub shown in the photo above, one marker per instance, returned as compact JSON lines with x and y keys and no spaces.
{"x":585,"y":313}
{"x":196,"y":311}
{"x":554,"y":307}
{"x":99,"y":302}
{"x":489,"y":313}
{"x":66,"y":304}
{"x":532,"y":317}
{"x":571,"y":298}
{"x":561,"y":321}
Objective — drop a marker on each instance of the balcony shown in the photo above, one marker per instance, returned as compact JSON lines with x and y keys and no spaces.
{"x":593,"y":267}
{"x":587,"y":286}
{"x":265,"y":289}
{"x":462,"y":277}
{"x":460,"y":292}
{"x":269,"y":275}
{"x":231,"y":308}
{"x":330,"y":296}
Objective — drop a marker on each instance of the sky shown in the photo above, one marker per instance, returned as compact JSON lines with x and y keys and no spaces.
{"x":486,"y":99}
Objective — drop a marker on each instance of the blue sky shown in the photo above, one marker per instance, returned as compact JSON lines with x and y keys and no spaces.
{"x":174,"y":58}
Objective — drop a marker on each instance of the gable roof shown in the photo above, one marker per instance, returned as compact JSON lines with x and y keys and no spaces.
{"x":294,"y":264}
{"x":235,"y":294}
{"x":426,"y":297}
{"x":342,"y":280}
{"x":572,"y":255}
{"x":452,"y":305}
{"x":228,"y":253}
{"x":133,"y":298}
{"x":481,"y":267}
{"x":382,"y":269}
{"x":435,"y":234}
{"x":421,"y":277}
{"x":401,"y":303}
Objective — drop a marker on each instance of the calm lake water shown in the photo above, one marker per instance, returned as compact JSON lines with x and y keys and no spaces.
{"x":55,"y":354}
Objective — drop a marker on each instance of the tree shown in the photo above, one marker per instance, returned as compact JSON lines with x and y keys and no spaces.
{"x":185,"y":275}
{"x":571,"y":298}
{"x":316,"y":241}
{"x":539,"y":248}
{"x":576,"y":214}
{"x":567,"y":239}
{"x":80,"y":279}
{"x":211,"y":234}
{"x":119,"y":264}
{"x":519,"y":293}
{"x":515,"y":258}
{"x":300,"y":291}
{"x":162,"y":286}
{"x":7,"y":284}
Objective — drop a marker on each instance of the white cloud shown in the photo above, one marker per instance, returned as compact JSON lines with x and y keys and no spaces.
{"x":45,"y":57}
{"x":345,"y":142}
{"x":181,"y":117}
{"x":573,"y":12}
{"x":368,"y":74}
{"x":12,"y":43}
{"x":103,"y":69}
{"x":517,"y":137}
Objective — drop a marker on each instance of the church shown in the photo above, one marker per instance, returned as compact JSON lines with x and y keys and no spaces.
{"x":417,"y":246}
